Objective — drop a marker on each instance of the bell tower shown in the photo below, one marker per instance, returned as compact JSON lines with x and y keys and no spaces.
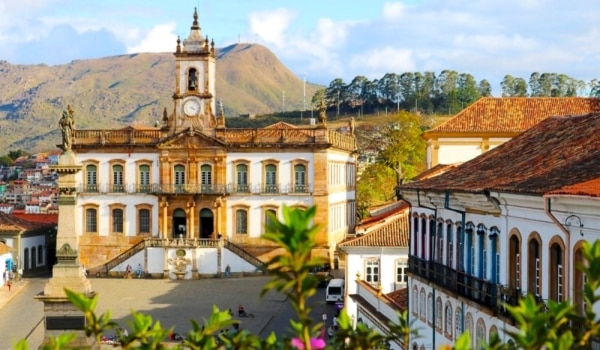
{"x":194,"y":97}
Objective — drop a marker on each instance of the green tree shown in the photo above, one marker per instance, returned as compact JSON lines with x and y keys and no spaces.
{"x":317,"y":97}
{"x":402,"y":146}
{"x":374,"y":186}
{"x":485,"y":88}
{"x":5,"y":160}
{"x":16,"y":154}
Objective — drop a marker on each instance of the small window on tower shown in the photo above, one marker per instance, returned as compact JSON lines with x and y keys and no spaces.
{"x":192,"y":80}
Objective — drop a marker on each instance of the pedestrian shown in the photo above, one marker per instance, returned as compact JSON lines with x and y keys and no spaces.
{"x":227,"y":271}
{"x":128,"y":271}
{"x":139,"y":271}
{"x":335,"y":323}
{"x":9,"y":284}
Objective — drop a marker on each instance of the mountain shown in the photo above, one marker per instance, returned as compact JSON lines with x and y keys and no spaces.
{"x":133,"y":90}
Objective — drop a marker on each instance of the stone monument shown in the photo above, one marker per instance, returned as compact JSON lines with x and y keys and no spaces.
{"x":60,"y":316}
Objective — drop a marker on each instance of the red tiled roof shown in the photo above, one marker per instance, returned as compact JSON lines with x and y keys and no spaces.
{"x":557,"y":152}
{"x":48,"y":219}
{"x":435,"y":171}
{"x":385,"y":237}
{"x":10,"y":222}
{"x":589,"y":188}
{"x":400,"y":297}
{"x":511,"y":115}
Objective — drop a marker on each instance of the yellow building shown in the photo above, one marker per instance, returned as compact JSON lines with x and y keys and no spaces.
{"x":192,"y":183}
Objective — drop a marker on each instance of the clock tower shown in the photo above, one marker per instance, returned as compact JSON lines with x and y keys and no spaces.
{"x":194,"y":97}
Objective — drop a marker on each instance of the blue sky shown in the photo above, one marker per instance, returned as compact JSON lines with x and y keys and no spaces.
{"x":323,"y":39}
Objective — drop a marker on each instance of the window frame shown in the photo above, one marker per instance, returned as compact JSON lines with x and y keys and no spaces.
{"x":372,"y":271}
{"x":112,"y":209}
{"x":299,"y":188}
{"x":117,"y":183}
{"x":141,"y":186}
{"x":86,"y":222}
{"x":239,"y":186}
{"x":270,"y":185}
{"x":264,"y":210}
{"x":236,"y":209}
{"x":138,"y":209}
{"x":90,"y":186}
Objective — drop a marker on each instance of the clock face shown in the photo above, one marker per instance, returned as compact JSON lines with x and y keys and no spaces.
{"x":191,"y":108}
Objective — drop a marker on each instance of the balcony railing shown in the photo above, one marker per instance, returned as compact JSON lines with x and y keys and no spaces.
{"x":478,"y":290}
{"x":195,"y":188}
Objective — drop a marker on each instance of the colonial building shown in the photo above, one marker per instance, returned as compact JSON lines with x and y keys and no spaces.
{"x":191,"y":181}
{"x":491,"y":121}
{"x":31,"y":252}
{"x":377,"y":269}
{"x":508,"y":223}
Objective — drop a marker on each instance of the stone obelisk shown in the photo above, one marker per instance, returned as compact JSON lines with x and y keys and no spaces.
{"x":60,"y":315}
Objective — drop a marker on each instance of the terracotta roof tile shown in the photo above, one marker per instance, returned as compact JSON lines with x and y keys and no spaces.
{"x":382,"y":235}
{"x":39,"y":218}
{"x":9,"y":222}
{"x":281,"y":125}
{"x":400,"y":297}
{"x":510,"y":115}
{"x":589,"y":188}
{"x":435,"y":171}
{"x":557,"y":152}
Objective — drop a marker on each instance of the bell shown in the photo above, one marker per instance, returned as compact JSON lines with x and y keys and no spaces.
{"x":192,"y":84}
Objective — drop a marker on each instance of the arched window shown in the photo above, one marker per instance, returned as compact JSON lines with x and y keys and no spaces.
{"x":458,"y":322}
{"x":91,"y":178}
{"x":91,"y":220}
{"x":438,"y":314}
{"x":117,"y":218}
{"x":579,"y":281}
{"x":300,"y":178}
{"x":423,"y":237}
{"x":206,"y":178}
{"x":415,"y":237}
{"x":430,"y":307}
{"x":117,"y":178}
{"x":241,"y":174}
{"x":179,"y":177}
{"x":448,"y":319}
{"x":415,"y":301}
{"x":449,"y":246}
{"x":470,"y":249}
{"x":534,"y":268}
{"x":440,"y":242}
{"x":271,"y":178}
{"x":422,"y":304}
{"x":556,"y":272}
{"x":144,"y":221}
{"x":192,"y":80}
{"x":494,"y":255}
{"x":481,"y":252}
{"x":514,"y":264}
{"x":460,"y":250}
{"x":144,"y":178}
{"x":432,"y":240}
{"x":241,"y":221}
{"x":480,"y":337}
{"x":469,"y":327}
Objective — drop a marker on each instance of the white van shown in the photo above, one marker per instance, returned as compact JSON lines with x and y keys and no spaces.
{"x":335,"y":290}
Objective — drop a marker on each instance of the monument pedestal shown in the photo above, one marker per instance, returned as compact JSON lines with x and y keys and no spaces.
{"x":60,"y":315}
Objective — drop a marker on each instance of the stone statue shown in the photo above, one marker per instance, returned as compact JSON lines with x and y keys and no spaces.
{"x":323,"y":113}
{"x":351,"y":125}
{"x":67,"y":125}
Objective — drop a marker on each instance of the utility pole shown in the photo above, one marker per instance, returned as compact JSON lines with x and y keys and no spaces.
{"x":283,"y":102}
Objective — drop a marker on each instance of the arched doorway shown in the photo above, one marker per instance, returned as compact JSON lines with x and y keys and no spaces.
{"x":207,"y":223}
{"x":179,"y":224}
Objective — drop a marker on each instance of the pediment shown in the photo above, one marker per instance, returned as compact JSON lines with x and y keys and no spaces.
{"x":190,"y":139}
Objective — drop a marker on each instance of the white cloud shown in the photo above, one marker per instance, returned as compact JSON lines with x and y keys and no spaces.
{"x":393,"y":11}
{"x":330,"y":34}
{"x":376,"y":63}
{"x":270,"y":26}
{"x":160,"y":38}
